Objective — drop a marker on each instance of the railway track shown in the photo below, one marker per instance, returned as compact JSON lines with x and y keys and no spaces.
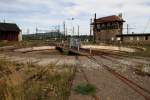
{"x":112,"y":55}
{"x":134,"y":86}
{"x":78,"y":66}
{"x":39,"y":74}
{"x":120,"y":57}
{"x":133,"y":68}
{"x":118,"y":62}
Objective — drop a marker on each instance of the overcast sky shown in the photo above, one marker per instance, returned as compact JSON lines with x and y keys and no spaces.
{"x":45,"y":14}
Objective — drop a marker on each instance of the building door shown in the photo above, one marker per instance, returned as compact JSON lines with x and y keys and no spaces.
{"x":146,"y":37}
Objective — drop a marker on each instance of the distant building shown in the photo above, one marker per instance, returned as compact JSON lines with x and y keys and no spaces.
{"x":10,"y":32}
{"x":110,"y":29}
{"x":105,"y":29}
{"x":138,"y":37}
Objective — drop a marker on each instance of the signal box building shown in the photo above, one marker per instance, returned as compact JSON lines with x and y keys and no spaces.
{"x":106,"y":29}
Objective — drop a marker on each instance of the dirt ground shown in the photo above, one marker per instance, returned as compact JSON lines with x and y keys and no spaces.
{"x":108,"y":86}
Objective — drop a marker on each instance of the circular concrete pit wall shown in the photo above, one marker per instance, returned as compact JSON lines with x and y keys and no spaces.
{"x":35,"y":49}
{"x":98,"y":47}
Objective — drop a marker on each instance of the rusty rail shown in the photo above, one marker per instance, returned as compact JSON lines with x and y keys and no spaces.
{"x":131,"y":84}
{"x":85,"y":76}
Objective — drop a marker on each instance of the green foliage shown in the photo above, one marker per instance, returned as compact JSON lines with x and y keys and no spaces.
{"x":65,"y":52}
{"x":145,"y":53}
{"x":34,"y":82}
{"x":85,"y":89}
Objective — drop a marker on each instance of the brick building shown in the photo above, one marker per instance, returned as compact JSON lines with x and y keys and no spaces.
{"x":10,"y":32}
{"x":105,"y":29}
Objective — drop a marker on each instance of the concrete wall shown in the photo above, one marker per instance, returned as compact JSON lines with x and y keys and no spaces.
{"x":99,"y":47}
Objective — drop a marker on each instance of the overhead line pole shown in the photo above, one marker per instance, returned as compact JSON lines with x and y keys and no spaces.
{"x":127,"y":29}
{"x":78,"y":31}
{"x":95,"y":28}
{"x":90,"y":29}
{"x":64,"y":30}
{"x":73,"y":30}
{"x":146,"y":26}
{"x":66,"y":33}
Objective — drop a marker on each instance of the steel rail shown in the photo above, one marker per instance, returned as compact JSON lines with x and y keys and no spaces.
{"x":39,"y":74}
{"x":78,"y":65}
{"x":125,"y":80}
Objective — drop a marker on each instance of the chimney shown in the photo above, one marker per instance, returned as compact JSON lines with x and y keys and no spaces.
{"x":120,"y":15}
{"x":95,"y":16}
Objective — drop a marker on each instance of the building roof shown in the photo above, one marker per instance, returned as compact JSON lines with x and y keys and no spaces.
{"x":107,"y":19}
{"x":9,"y":27}
{"x":137,"y":34}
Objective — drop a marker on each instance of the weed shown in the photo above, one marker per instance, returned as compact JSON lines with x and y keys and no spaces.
{"x":85,"y":89}
{"x":34,"y":82}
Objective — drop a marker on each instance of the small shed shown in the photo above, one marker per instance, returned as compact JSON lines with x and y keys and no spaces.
{"x":10,"y":32}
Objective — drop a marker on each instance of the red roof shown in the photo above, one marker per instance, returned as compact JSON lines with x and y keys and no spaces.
{"x":112,"y":18}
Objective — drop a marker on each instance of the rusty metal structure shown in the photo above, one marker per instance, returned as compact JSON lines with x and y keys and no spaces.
{"x":10,"y":32}
{"x":106,"y":28}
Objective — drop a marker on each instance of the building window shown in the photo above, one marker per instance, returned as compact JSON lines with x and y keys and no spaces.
{"x":104,"y":26}
{"x":146,"y":37}
{"x":108,"y":26}
{"x":98,"y":26}
{"x":115,"y":26}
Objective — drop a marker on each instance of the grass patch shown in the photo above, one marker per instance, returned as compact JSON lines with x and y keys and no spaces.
{"x":34,"y":82}
{"x":65,"y":52}
{"x":145,"y":53}
{"x":85,"y":89}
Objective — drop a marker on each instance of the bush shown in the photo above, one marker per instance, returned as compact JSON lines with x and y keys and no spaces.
{"x":85,"y":89}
